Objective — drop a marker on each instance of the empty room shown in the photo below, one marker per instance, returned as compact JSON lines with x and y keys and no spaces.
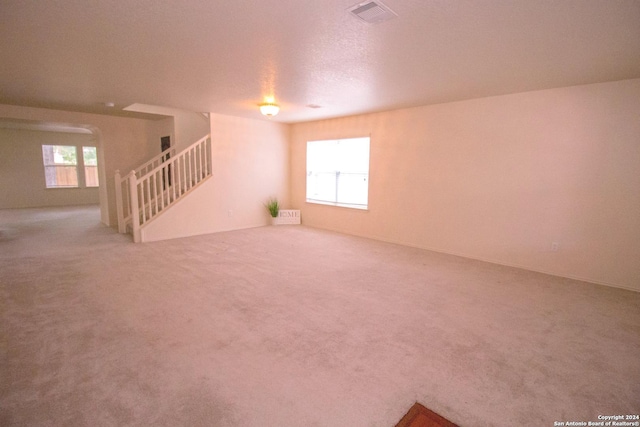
{"x":320,"y":213}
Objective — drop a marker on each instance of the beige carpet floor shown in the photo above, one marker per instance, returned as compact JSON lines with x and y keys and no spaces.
{"x":293,"y":326}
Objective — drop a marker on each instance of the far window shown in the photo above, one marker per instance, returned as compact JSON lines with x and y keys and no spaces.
{"x":64,"y":169}
{"x":60,"y":166}
{"x":338,"y":172}
{"x":90,"y":157}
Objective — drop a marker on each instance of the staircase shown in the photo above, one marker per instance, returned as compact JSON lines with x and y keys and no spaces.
{"x":149,"y":190}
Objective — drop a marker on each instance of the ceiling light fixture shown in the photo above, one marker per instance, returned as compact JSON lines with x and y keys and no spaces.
{"x":269,"y":109}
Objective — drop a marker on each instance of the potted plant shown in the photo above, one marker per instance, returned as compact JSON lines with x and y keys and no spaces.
{"x":273,"y":207}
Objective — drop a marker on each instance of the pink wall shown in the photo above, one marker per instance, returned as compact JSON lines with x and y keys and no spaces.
{"x":500,"y":179}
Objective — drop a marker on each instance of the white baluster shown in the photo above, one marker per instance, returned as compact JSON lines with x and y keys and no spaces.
{"x":119,"y":207}
{"x":147,"y":200}
{"x":135,"y":217}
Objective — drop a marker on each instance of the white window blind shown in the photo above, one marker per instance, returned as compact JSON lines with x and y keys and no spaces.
{"x":338,"y":172}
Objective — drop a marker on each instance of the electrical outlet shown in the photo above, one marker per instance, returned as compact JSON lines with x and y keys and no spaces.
{"x":230,"y":213}
{"x":555,"y":246}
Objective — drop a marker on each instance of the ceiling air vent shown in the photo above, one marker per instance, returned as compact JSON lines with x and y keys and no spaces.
{"x":372,"y":12}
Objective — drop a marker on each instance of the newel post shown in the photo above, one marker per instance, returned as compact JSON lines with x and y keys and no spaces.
{"x":135,"y":210}
{"x":122,"y":227}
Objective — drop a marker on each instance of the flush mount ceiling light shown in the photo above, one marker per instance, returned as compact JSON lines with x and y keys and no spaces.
{"x":269,"y":109}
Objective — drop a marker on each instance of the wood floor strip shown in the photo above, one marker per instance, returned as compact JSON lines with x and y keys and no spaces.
{"x":419,"y":416}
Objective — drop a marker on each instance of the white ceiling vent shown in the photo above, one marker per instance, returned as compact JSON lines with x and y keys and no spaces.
{"x":372,"y":12}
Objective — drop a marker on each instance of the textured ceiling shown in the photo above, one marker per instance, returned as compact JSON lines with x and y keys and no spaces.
{"x":226,"y":56}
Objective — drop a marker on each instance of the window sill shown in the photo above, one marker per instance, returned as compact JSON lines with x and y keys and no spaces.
{"x":70,"y":188}
{"x":339,"y":205}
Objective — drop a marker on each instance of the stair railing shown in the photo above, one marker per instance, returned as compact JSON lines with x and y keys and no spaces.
{"x":156,"y":161}
{"x":144,"y":193}
{"x":122,"y":187}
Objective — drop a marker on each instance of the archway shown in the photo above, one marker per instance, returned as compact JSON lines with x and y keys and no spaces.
{"x":24,"y":167}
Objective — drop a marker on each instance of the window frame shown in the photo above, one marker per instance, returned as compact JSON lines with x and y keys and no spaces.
{"x":84,"y":167}
{"x":80,"y":167}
